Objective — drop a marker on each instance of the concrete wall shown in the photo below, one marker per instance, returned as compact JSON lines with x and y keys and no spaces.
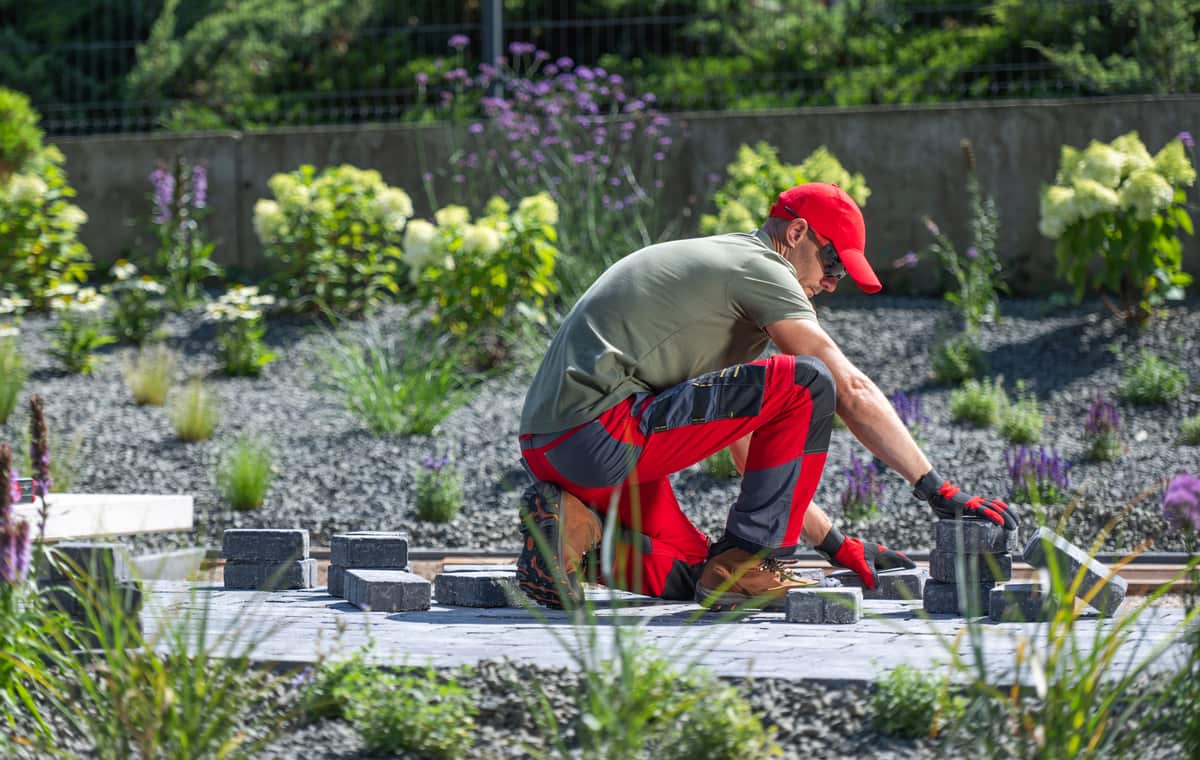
{"x":910,"y":156}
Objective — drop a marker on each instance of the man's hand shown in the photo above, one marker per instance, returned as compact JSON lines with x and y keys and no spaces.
{"x":949,"y":503}
{"x":866,"y":558}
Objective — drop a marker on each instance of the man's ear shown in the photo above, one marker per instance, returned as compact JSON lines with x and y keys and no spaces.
{"x":796,"y":230}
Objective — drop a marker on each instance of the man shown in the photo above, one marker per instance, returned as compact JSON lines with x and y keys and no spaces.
{"x":656,"y":368}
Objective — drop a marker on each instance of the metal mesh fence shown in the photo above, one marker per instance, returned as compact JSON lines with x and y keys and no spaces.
{"x":94,"y":66}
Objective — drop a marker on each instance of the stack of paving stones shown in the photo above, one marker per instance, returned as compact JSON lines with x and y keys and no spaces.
{"x":477,"y":586}
{"x":267,"y":559}
{"x":979,"y":550}
{"x":83,"y":575}
{"x":365,"y":550}
{"x":1029,"y":602}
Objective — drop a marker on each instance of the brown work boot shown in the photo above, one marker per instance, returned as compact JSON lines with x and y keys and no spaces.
{"x":735,"y":577}
{"x":568,"y":529}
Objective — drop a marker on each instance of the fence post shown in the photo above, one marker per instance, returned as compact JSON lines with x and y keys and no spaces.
{"x":493,"y":31}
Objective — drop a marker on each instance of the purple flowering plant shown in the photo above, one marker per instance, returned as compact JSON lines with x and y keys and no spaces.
{"x":1037,"y":477}
{"x":179,"y":199}
{"x":1181,"y":509}
{"x":908,"y":408}
{"x":530,"y":124}
{"x":16,"y":541}
{"x":860,"y":499}
{"x":439,"y":495}
{"x":1102,"y":429}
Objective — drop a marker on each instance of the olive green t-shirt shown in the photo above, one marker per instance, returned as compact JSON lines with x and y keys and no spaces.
{"x":658,"y":317}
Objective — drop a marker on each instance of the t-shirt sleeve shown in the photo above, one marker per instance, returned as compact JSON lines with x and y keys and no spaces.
{"x":766,"y":292}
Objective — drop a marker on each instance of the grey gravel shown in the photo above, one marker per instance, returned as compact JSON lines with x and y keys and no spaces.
{"x":333,"y":475}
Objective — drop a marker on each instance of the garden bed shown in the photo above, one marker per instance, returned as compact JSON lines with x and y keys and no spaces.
{"x":332,"y":474}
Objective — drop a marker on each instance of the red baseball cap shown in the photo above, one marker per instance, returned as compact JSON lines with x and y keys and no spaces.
{"x":835,"y":216}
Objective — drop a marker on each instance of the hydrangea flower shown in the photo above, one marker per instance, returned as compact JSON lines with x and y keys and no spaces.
{"x":1172,"y":162}
{"x":1092,"y":198}
{"x":1101,"y":163}
{"x":480,"y":240}
{"x":268,"y":219}
{"x":1134,"y":150}
{"x":1058,"y":211}
{"x":539,"y":209}
{"x":452,"y":215}
{"x":27,"y":188}
{"x":1146,"y":192}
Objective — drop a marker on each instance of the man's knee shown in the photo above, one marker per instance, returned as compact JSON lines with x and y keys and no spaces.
{"x":812,"y":373}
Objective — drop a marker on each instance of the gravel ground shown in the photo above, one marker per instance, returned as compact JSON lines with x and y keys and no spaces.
{"x":332,"y":474}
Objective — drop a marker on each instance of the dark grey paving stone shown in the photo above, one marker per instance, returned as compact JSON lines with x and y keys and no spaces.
{"x":335,"y":581}
{"x":973,"y":537}
{"x":824,"y":606}
{"x":488,"y":588}
{"x":1020,"y":603}
{"x":264,"y":545}
{"x":388,"y":590}
{"x":1071,"y":560}
{"x":943,"y":598}
{"x":479,"y":568}
{"x":273,"y":576}
{"x":977,"y":568}
{"x":894,"y":585}
{"x":98,"y":561}
{"x":369,"y":550}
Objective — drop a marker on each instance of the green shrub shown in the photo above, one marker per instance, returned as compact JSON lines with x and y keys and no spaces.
{"x":244,"y":473}
{"x":390,"y":388}
{"x":421,"y":713}
{"x":1189,"y":431}
{"x":195,"y":414}
{"x":39,"y":231}
{"x":957,"y":359}
{"x":137,"y":311}
{"x":911,"y":705}
{"x":240,"y":330}
{"x":1116,"y":203}
{"x":20,"y":137}
{"x":720,"y":466}
{"x":337,"y":234}
{"x":329,"y":689}
{"x":1102,"y":431}
{"x":978,"y":403}
{"x":480,"y":276}
{"x":757,"y":176}
{"x":79,"y":332}
{"x":439,"y":489}
{"x":13,"y":370}
{"x":1151,"y":381}
{"x":1021,"y":422}
{"x":151,"y":374}
{"x":718,"y":724}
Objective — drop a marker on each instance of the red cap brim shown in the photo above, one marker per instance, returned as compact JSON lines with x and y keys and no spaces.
{"x":860,"y":271}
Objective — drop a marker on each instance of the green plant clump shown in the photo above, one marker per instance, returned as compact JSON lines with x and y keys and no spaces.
{"x":1189,"y":431}
{"x":337,"y":234}
{"x":150,"y":375}
{"x":757,"y":176}
{"x":240,"y":330}
{"x":1152,"y":381}
{"x":978,"y":402}
{"x":420,"y":712}
{"x":910,"y":705}
{"x":20,"y":136}
{"x":195,"y":413}
{"x":244,"y":473}
{"x":137,"y":309}
{"x":1021,"y":422}
{"x":80,"y":331}
{"x":958,"y":358}
{"x":13,"y":373}
{"x":391,"y":388}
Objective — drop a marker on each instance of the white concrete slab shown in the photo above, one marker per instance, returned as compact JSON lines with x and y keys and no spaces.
{"x":87,"y":515}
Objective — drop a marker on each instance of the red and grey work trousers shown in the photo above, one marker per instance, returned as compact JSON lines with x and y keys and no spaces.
{"x":625,"y":456}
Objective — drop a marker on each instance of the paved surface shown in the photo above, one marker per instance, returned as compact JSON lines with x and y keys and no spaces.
{"x":300,"y":626}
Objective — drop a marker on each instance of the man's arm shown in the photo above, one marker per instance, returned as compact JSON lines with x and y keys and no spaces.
{"x":861,"y":405}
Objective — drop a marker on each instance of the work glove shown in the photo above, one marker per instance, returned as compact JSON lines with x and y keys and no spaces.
{"x":950,"y":503}
{"x":865,"y":558}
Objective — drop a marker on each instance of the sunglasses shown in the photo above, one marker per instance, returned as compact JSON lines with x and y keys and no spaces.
{"x":831,"y":263}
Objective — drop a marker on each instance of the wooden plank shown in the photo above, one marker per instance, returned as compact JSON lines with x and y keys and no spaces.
{"x":85,"y":515}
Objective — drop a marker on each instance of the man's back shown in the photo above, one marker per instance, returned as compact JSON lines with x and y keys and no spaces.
{"x":658,"y":317}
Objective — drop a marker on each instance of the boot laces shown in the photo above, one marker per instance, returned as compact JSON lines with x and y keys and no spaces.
{"x":781,"y":569}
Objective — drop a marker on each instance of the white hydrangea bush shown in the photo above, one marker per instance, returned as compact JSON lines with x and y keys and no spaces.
{"x":1116,"y":212}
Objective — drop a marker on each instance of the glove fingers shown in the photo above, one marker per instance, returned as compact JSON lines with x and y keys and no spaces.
{"x":890,"y":559}
{"x":992,"y":515}
{"x":1011,"y":522}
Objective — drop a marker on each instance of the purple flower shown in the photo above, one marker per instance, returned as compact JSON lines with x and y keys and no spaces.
{"x":459,"y":41}
{"x":932,"y":227}
{"x":907,"y":261}
{"x":1186,"y":139}
{"x":972,"y":252}
{"x":862,"y":484}
{"x":615,"y":79}
{"x":199,"y":186}
{"x":164,"y":194}
{"x":1102,"y":416}
{"x":521,"y":48}
{"x":475,"y":129}
{"x":584,"y":73}
{"x":16,"y":551}
{"x":908,"y":408}
{"x":1038,"y":478}
{"x":564,"y":63}
{"x":659,"y":156}
{"x":435,"y":462}
{"x":422,"y":78}
{"x":1181,"y":503}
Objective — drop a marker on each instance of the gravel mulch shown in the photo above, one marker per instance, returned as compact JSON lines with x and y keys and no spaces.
{"x":332,"y":474}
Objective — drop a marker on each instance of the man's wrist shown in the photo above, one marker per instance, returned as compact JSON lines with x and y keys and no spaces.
{"x":927,"y":485}
{"x":832,"y":542}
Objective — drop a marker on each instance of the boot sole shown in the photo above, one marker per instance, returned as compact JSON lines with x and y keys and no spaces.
{"x":537,"y":578}
{"x":729,"y":600}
